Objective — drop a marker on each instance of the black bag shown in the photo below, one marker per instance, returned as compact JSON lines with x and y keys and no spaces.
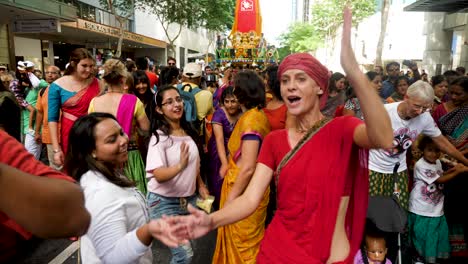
{"x":385,"y":212}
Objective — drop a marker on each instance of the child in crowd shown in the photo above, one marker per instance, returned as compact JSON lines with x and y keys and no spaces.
{"x":402,"y":84}
{"x":374,"y":247}
{"x":428,"y":231}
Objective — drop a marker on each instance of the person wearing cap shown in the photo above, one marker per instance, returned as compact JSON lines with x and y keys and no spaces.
{"x":20,"y":85}
{"x":321,"y":179}
{"x":28,"y":67}
{"x":204,"y":99}
{"x":3,"y":69}
{"x":29,"y":121}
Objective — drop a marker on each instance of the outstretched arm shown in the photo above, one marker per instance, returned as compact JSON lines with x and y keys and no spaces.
{"x":199,"y":223}
{"x":377,"y":133}
{"x":447,"y":147}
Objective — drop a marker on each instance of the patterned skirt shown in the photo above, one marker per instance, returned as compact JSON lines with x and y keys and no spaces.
{"x":382,"y":184}
{"x":135,"y":170}
{"x":429,"y":236}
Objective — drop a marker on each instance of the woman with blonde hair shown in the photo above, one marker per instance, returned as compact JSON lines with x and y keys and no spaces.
{"x":130,"y":114}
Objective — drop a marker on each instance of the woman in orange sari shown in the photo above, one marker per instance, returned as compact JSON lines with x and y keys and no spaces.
{"x":320,"y":168}
{"x":240,"y":242}
{"x":71,"y":96}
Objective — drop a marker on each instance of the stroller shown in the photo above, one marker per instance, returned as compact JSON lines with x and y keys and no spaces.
{"x":387,"y":214}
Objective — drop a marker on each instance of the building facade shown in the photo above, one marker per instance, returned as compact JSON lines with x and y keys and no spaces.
{"x":46,"y":31}
{"x":446,"y":30}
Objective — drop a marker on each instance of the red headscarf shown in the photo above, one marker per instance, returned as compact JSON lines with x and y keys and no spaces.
{"x":312,"y":67}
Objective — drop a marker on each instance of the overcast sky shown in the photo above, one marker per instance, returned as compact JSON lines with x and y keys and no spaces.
{"x":276,"y":16}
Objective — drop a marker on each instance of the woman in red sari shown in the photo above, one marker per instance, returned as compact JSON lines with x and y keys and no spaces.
{"x":70,"y":96}
{"x":320,"y":164}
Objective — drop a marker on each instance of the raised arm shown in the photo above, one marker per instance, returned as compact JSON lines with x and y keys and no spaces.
{"x":377,"y":132}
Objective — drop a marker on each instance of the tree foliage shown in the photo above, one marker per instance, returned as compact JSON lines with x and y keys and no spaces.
{"x":217,"y":16}
{"x":214,"y":16}
{"x":326,"y":18}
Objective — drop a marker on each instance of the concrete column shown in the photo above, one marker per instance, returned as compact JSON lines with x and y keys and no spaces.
{"x":11,"y":46}
{"x":4,"y":51}
{"x":464,"y":48}
{"x":438,"y":44}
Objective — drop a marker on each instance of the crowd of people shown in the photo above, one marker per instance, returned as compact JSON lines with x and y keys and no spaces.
{"x":289,"y":156}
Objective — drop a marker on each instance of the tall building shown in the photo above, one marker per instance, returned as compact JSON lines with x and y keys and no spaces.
{"x":301,"y":10}
{"x":446,"y":31}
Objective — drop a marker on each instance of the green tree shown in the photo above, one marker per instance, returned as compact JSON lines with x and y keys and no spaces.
{"x":383,"y":30}
{"x":217,"y":17}
{"x":283,"y":52}
{"x":176,"y":14}
{"x":122,"y":11}
{"x":326,"y":18}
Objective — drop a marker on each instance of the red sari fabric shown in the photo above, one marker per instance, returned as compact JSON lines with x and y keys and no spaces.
{"x":309,"y":192}
{"x":439,"y":112}
{"x":14,"y":154}
{"x":277,"y":117}
{"x":74,"y":108}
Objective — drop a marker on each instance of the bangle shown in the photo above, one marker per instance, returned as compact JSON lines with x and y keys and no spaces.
{"x":57,"y":150}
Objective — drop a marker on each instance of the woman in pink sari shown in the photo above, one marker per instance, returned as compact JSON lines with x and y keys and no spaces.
{"x":70,"y":96}
{"x":320,"y":165}
{"x":130,"y":114}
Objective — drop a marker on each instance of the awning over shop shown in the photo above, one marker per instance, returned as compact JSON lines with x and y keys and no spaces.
{"x":94,"y":33}
{"x":449,"y":6}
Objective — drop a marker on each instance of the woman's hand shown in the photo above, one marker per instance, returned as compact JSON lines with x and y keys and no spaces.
{"x":169,"y":231}
{"x":203,"y":191}
{"x":58,"y":158}
{"x":223,"y":170}
{"x":184,"y":156}
{"x":347,"y":58}
{"x":198,"y":223}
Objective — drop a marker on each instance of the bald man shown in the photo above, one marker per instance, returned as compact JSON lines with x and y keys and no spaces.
{"x":52,"y":73}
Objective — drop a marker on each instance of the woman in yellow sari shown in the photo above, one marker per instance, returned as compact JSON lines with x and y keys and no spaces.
{"x":239,"y":242}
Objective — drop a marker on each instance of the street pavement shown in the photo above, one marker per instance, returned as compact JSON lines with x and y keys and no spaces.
{"x":65,"y":251}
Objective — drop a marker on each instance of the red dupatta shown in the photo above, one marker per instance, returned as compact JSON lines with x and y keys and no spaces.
{"x":310,"y":188}
{"x":76,"y":107}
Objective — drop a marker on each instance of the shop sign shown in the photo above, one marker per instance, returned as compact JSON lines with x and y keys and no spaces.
{"x":36,"y":26}
{"x":115,"y":32}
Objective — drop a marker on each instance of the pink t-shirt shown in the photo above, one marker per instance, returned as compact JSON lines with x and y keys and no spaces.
{"x":166,"y":154}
